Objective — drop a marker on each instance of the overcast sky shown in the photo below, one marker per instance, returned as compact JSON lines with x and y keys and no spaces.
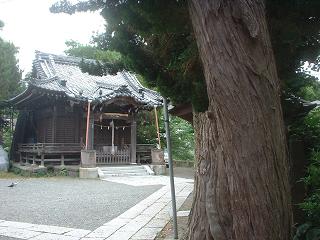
{"x":30,"y":26}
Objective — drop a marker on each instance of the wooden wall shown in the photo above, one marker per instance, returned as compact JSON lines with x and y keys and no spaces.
{"x":58,"y":124}
{"x":102,"y":136}
{"x":62,"y":123}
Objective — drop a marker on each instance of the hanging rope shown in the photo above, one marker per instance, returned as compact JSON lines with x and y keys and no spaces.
{"x":108,"y":127}
{"x":157,"y":126}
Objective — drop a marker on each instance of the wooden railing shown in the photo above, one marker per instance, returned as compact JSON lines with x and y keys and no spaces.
{"x":49,"y":152}
{"x":49,"y":148}
{"x":121,"y":156}
{"x":70,"y":152}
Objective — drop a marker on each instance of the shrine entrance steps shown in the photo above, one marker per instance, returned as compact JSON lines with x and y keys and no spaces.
{"x":122,"y":171}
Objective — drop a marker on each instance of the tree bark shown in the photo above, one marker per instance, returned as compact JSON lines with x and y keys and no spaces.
{"x":242,"y":172}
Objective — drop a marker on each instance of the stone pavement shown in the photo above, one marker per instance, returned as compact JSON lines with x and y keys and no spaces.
{"x":141,"y":222}
{"x":68,"y":202}
{"x":182,"y":219}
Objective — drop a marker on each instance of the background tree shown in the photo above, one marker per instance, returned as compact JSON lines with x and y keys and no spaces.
{"x":161,"y":46}
{"x":182,"y":135}
{"x":106,"y":61}
{"x":10,"y":74}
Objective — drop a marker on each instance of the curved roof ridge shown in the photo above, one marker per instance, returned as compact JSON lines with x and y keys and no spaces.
{"x":61,"y":73}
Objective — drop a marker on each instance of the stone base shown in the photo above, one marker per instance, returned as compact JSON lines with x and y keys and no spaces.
{"x":88,"y":173}
{"x":157,"y":156}
{"x":159,"y":169}
{"x":4,"y":162}
{"x":88,"y":158}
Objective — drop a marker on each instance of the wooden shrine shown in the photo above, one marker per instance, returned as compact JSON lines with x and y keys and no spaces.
{"x":64,"y":110}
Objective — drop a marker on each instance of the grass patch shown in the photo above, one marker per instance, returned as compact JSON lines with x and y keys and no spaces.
{"x":6,"y":175}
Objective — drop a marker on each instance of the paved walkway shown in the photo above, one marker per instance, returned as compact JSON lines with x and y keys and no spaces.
{"x":143,"y":221}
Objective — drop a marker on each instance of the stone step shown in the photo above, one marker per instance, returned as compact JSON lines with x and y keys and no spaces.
{"x":123,"y":171}
{"x":105,"y":175}
{"x":121,"y":167}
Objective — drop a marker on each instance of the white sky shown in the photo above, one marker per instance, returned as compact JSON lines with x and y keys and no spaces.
{"x":30,"y":26}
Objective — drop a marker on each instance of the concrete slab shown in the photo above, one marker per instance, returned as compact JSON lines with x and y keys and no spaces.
{"x":89,"y":238}
{"x":50,"y":236}
{"x":183,"y":213}
{"x":103,"y":231}
{"x":77,"y":233}
{"x":146,"y":233}
{"x":50,"y":229}
{"x":17,"y":233}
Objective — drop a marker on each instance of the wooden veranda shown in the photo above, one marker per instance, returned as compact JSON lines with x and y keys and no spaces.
{"x":69,"y":153}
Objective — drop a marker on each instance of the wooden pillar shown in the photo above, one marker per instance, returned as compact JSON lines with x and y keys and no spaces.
{"x":42,"y":160}
{"x":62,"y":159}
{"x":89,"y":129}
{"x":54,"y":120}
{"x":134,"y":140}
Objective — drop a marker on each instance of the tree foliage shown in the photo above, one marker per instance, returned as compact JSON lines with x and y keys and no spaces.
{"x":106,"y":61}
{"x":182,"y":138}
{"x":77,"y":49}
{"x":157,"y":41}
{"x":10,"y":74}
{"x":294,"y":29}
{"x":307,"y":130}
{"x":154,"y":42}
{"x":182,"y":134}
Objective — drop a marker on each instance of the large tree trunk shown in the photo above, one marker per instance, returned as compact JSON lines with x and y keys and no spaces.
{"x":242,"y":181}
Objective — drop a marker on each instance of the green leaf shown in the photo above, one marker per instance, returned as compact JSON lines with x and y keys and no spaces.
{"x":313,"y":234}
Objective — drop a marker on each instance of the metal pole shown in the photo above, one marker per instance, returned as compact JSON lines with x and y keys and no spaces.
{"x":173,"y":194}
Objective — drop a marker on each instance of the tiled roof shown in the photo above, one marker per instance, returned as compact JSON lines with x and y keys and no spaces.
{"x":62,"y":74}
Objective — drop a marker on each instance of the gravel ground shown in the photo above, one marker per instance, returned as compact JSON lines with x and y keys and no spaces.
{"x":67,"y":202}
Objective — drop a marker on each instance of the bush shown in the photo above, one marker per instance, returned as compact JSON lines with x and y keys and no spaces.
{"x":182,"y":134}
{"x":310,"y":131}
{"x":7,"y":138}
{"x":311,"y":205}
